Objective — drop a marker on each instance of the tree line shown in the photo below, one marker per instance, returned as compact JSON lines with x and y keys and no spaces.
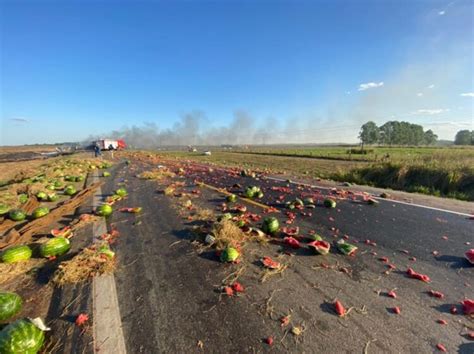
{"x":464,"y":137}
{"x":396,"y":133}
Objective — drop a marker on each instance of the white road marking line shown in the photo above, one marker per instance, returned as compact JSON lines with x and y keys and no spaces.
{"x":381,"y":199}
{"x":107,"y":328}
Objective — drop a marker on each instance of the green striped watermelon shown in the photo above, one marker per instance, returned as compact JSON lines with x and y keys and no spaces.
{"x":40,"y":212}
{"x":55,"y":247}
{"x":122,"y":192}
{"x":21,"y":337}
{"x":16,"y":254}
{"x":4,"y":209}
{"x":10,"y":305}
{"x":329,"y":203}
{"x":70,"y":190}
{"x":17,"y":215}
{"x":270,"y":225}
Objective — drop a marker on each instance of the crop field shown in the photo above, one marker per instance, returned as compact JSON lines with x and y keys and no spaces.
{"x":447,"y":172}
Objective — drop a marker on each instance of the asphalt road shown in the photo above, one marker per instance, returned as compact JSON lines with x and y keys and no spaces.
{"x":169,"y":295}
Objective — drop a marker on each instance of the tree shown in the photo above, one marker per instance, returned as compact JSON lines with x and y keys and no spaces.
{"x":430,"y":138}
{"x":369,"y":133}
{"x":405,"y":133}
{"x":464,"y":137}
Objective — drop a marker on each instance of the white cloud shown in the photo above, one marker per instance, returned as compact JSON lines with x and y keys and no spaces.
{"x":369,"y":85}
{"x":430,"y":111}
{"x":441,"y":13}
{"x":431,"y":86}
{"x":467,"y":94}
{"x":348,"y":92}
{"x":419,"y":94}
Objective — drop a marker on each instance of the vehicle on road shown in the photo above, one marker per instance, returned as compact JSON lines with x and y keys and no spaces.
{"x":110,"y":144}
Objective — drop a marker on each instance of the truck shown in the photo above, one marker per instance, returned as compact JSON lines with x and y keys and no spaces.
{"x":110,"y":144}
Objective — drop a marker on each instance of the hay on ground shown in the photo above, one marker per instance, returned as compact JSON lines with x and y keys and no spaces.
{"x":10,"y":271}
{"x":156,"y":174}
{"x":85,"y":265}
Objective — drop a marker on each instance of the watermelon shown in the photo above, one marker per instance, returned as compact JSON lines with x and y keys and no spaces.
{"x":64,"y":232}
{"x":240,"y":223}
{"x":252,"y":192}
{"x":470,"y":255}
{"x":298,"y":202}
{"x":321,"y":247}
{"x":23,"y":198}
{"x":55,"y":247}
{"x":58,"y":184}
{"x":10,"y":305}
{"x":122,"y":192}
{"x":104,"y":210}
{"x":38,"y":179}
{"x":42,"y":196}
{"x":40,"y":212}
{"x":232,"y":198}
{"x":315,"y":237}
{"x":105,"y":250}
{"x":346,"y":248}
{"x":230,"y":254}
{"x":70,"y":190}
{"x":16,"y":254}
{"x":80,"y":178}
{"x":270,"y":225}
{"x":69,"y":178}
{"x":17,"y":215}
{"x":106,"y":174}
{"x":21,"y":337}
{"x":50,"y":187}
{"x":52,"y":197}
{"x":226,"y":216}
{"x":329,"y":203}
{"x":4,"y":209}
{"x":308,"y":201}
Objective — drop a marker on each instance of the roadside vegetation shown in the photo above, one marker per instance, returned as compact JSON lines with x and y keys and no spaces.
{"x":440,"y":171}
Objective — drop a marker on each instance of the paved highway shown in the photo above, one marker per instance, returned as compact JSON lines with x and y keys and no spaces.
{"x":169,"y":294}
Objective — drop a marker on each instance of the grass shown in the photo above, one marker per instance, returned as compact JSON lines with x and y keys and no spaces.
{"x":446,"y":171}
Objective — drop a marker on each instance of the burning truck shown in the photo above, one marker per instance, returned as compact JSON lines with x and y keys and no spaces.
{"x":110,"y":144}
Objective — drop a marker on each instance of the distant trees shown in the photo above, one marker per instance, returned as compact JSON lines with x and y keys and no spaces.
{"x":430,"y":138}
{"x":464,"y":137}
{"x":396,"y":133}
{"x":369,"y":133}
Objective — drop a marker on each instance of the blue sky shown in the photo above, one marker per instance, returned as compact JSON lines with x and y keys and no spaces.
{"x":72,"y":69}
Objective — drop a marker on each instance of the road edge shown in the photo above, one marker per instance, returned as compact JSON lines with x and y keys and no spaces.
{"x":107,"y":326}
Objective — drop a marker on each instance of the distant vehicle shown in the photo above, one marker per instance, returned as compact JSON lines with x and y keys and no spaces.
{"x":207,"y":153}
{"x":109,"y":144}
{"x":192,"y":149}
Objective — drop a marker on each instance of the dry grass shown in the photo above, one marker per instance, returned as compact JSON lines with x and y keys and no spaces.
{"x":11,"y":271}
{"x":83,"y":266}
{"x":227,"y":234}
{"x":156,"y":174}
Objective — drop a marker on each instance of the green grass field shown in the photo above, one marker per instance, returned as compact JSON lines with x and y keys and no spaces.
{"x":447,"y":171}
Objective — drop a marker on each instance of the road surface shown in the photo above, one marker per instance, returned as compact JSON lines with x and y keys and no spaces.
{"x":170,"y":298}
